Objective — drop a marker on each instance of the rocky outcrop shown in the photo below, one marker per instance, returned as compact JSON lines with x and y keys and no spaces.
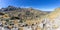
{"x":52,"y":20}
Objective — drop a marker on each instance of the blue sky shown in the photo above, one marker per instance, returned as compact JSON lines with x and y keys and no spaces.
{"x":45,"y":5}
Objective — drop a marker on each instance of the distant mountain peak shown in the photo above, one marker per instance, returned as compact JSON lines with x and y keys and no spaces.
{"x":10,"y":6}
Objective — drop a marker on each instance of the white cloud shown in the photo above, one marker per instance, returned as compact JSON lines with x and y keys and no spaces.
{"x":46,"y":9}
{"x":25,"y":6}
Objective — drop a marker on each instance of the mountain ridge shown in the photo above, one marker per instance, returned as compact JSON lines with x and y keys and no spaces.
{"x":23,"y":13}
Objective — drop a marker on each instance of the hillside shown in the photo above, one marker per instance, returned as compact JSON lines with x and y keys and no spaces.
{"x":23,"y":13}
{"x":53,"y":20}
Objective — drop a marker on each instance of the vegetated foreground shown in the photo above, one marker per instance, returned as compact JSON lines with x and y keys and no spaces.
{"x":19,"y":18}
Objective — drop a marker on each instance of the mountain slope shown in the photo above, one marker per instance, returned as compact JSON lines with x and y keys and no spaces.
{"x":23,"y":13}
